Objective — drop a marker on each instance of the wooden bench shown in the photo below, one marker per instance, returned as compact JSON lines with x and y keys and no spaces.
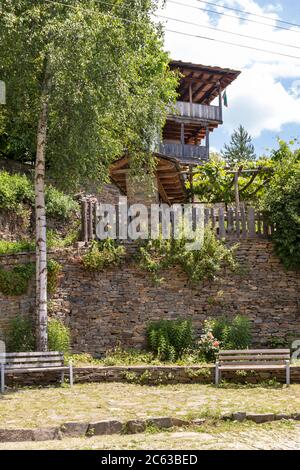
{"x":253,"y":359}
{"x":32,"y":362}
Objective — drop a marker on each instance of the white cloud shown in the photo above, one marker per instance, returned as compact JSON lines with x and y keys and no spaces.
{"x":257,"y":99}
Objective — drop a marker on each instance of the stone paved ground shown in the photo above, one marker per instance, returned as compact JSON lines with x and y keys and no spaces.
{"x":275,"y":436}
{"x":31,"y":408}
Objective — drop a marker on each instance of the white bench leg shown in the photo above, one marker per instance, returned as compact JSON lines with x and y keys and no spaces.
{"x":288,"y":373}
{"x":62,"y":379}
{"x":71,"y":374}
{"x":2,"y":373}
{"x":217,"y":374}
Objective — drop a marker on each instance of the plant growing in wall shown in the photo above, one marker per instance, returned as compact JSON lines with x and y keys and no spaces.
{"x":15,"y":281}
{"x":205,"y":263}
{"x":102,"y":254}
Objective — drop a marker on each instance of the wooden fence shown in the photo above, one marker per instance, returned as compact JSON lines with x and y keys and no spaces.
{"x":227,"y":224}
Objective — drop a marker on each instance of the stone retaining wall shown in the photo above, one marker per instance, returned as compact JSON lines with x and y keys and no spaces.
{"x":113,"y":307}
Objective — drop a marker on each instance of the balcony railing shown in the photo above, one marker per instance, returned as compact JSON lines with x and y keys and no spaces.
{"x":185,"y":153}
{"x":197,"y":111}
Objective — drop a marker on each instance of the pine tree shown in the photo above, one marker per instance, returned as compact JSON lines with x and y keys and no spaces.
{"x":240,"y":148}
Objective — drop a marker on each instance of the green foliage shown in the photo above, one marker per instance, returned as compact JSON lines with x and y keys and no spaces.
{"x":54,"y":269}
{"x":232,"y":333}
{"x":59,"y":205}
{"x":7,"y":248}
{"x":59,"y":337}
{"x":14,"y":282}
{"x":20,"y":335}
{"x":168,"y":339}
{"x":213,"y":182}
{"x":16,"y":193}
{"x":282,"y":204}
{"x":15,"y":190}
{"x":110,"y":83}
{"x":56,"y":240}
{"x":240,"y":148}
{"x":102,"y":254}
{"x":204,"y":263}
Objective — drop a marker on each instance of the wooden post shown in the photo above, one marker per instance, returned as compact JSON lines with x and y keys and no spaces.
{"x":191,"y":98}
{"x":207,"y":142}
{"x":236,"y":191}
{"x":220,"y":102}
{"x":84,"y":222}
{"x":222,"y":231}
{"x":2,"y":377}
{"x":191,"y":183}
{"x":91,"y":221}
{"x":182,"y":138}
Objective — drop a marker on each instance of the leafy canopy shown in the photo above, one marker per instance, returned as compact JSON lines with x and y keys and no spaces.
{"x":110,"y":83}
{"x":282,"y":203}
{"x":214,"y":182}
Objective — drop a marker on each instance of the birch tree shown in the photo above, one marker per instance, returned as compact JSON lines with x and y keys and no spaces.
{"x":86,"y":81}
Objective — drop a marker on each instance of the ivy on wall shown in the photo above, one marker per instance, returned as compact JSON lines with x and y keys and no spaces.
{"x":15,"y":281}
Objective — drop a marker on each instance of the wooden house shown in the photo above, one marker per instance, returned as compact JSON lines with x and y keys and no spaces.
{"x":186,"y":133}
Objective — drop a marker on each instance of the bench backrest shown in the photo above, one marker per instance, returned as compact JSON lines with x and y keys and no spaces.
{"x":254,"y":356}
{"x":29,"y":360}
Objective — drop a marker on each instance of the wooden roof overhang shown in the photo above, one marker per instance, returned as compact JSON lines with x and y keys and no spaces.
{"x":207,"y":81}
{"x":170,"y":179}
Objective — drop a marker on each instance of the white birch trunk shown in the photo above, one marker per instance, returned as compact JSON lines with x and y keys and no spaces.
{"x":40,"y":217}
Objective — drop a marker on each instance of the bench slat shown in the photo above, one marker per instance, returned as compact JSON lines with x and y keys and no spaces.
{"x":250,"y":367}
{"x":20,"y":360}
{"x":255,"y":357}
{"x":33,"y":354}
{"x":37,"y":369}
{"x":34,"y":366}
{"x":252,"y":364}
{"x":253,"y":351}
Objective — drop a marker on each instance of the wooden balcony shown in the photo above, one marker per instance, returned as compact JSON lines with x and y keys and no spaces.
{"x":187,"y":154}
{"x":197,"y":111}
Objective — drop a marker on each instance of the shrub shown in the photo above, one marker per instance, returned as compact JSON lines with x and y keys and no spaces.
{"x":59,"y":338}
{"x":15,"y":281}
{"x":282,"y":203}
{"x":201,"y":264}
{"x":168,"y":339}
{"x":59,"y":205}
{"x":20,"y":336}
{"x":15,"y":190}
{"x":7,"y":247}
{"x":102,"y":254}
{"x":232,"y":334}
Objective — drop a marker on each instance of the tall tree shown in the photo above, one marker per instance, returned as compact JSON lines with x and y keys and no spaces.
{"x":240,"y":148}
{"x":86,"y":81}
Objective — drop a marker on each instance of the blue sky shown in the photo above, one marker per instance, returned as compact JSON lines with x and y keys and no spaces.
{"x":266,"y":96}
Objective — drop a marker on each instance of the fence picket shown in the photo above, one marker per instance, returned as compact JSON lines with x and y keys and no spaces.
{"x":226,"y":224}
